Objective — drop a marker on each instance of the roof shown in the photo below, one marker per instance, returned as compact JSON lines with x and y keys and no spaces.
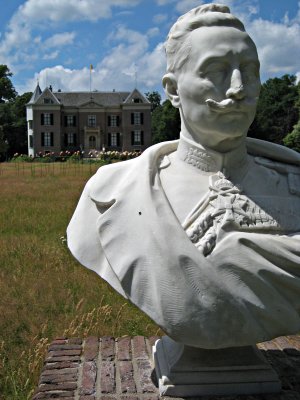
{"x":47,"y":94}
{"x":78,"y":99}
{"x":36,"y":94}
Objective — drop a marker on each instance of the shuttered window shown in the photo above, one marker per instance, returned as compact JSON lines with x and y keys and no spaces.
{"x":70,"y":120}
{"x":47,"y":119}
{"x":113,"y":120}
{"x":47,"y":139}
{"x":137,"y":118}
{"x":137,"y":138}
{"x":114,"y":139}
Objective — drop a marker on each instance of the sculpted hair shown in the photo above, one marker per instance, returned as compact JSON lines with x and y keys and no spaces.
{"x":177,"y":45}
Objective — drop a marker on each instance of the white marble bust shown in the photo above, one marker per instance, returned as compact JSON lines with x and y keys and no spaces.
{"x":202,"y":234}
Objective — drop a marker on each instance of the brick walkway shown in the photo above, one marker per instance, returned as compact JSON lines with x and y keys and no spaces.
{"x":122,"y":369}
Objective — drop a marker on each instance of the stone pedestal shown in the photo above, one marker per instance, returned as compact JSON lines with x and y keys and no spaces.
{"x":185,"y":371}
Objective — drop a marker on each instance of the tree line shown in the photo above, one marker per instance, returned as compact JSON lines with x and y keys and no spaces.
{"x":13,"y":125}
{"x":277,"y":119}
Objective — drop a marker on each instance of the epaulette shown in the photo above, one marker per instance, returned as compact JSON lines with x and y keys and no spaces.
{"x":292,"y":172}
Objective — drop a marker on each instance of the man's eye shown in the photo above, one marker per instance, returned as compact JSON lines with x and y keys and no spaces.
{"x":215,"y":71}
{"x":249,"y":72}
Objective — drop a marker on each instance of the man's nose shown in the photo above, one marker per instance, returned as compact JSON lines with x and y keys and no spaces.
{"x":236,"y":89}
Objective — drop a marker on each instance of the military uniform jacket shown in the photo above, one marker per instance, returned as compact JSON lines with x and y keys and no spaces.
{"x":243,"y":291}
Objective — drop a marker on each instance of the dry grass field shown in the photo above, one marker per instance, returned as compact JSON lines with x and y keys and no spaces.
{"x":45,"y":293}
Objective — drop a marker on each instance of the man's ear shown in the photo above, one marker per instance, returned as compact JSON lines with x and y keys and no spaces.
{"x":170,"y":85}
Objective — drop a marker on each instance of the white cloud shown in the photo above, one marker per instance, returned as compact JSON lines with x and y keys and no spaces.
{"x":51,"y":56}
{"x":118,"y":69}
{"x":17,"y":44}
{"x":164,"y":2}
{"x":159,"y":18}
{"x":245,"y":10}
{"x":152,"y":67}
{"x":71,"y":10}
{"x":153,"y":32}
{"x":129,"y":53}
{"x":127,"y":35}
{"x":278,"y":46}
{"x":60,"y":39}
{"x":184,"y":6}
{"x":277,"y":43}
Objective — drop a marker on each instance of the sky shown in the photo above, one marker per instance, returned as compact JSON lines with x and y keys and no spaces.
{"x":56,"y":41}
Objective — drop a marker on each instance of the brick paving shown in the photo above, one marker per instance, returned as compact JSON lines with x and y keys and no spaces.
{"x":122,"y":369}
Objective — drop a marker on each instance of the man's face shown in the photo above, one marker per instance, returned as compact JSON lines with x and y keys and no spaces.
{"x":222,"y":65}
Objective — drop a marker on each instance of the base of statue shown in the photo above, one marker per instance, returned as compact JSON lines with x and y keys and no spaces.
{"x":185,"y":371}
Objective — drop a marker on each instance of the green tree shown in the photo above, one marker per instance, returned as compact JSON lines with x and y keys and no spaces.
{"x":19,"y":108}
{"x":165,"y":123}
{"x":3,"y":145}
{"x":6,"y":120}
{"x":292,"y":140}
{"x":13,"y":125}
{"x":7,"y":90}
{"x":17,"y":137}
{"x":154,"y":98}
{"x":277,"y":112}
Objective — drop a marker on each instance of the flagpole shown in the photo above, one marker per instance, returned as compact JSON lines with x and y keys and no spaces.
{"x":91,"y":68}
{"x":135,"y":76}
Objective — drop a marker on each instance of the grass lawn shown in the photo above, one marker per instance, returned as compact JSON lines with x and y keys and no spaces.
{"x":45,"y":292}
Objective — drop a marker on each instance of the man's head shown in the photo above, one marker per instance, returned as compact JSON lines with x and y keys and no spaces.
{"x":212,"y":76}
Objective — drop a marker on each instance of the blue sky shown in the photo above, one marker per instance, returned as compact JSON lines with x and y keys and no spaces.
{"x":55,"y":41}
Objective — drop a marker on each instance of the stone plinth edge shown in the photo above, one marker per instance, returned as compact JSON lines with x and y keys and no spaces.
{"x":185,"y":371}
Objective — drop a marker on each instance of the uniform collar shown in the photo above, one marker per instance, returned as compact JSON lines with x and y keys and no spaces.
{"x":207,"y":160}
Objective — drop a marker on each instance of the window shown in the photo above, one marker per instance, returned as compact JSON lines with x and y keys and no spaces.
{"x":136,"y":100}
{"x":30,"y":124}
{"x":47,"y":139}
{"x":71,"y":139}
{"x":46,"y":119}
{"x":137,"y":118}
{"x":91,"y":120}
{"x":31,"y":141}
{"x":114,"y":139}
{"x":137,"y":138}
{"x":70,"y":120}
{"x":92,"y":142}
{"x":113,"y":120}
{"x":48,"y":101}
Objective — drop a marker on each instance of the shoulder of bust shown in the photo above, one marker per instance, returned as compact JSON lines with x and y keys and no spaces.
{"x":103,"y":186}
{"x":272,"y":151}
{"x":287,"y":171}
{"x":278,"y":159}
{"x":112,"y":180}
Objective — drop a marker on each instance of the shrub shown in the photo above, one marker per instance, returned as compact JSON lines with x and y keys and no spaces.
{"x":22,"y":158}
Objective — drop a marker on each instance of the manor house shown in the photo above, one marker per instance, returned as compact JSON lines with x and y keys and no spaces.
{"x":87,"y":121}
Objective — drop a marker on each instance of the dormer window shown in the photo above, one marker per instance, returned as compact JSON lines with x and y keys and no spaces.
{"x":48,"y":101}
{"x":136,"y":100}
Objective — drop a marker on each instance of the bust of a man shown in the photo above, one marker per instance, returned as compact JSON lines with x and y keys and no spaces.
{"x":202,"y":234}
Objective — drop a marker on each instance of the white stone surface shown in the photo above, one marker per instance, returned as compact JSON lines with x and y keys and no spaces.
{"x":184,"y":371}
{"x":202,"y":234}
